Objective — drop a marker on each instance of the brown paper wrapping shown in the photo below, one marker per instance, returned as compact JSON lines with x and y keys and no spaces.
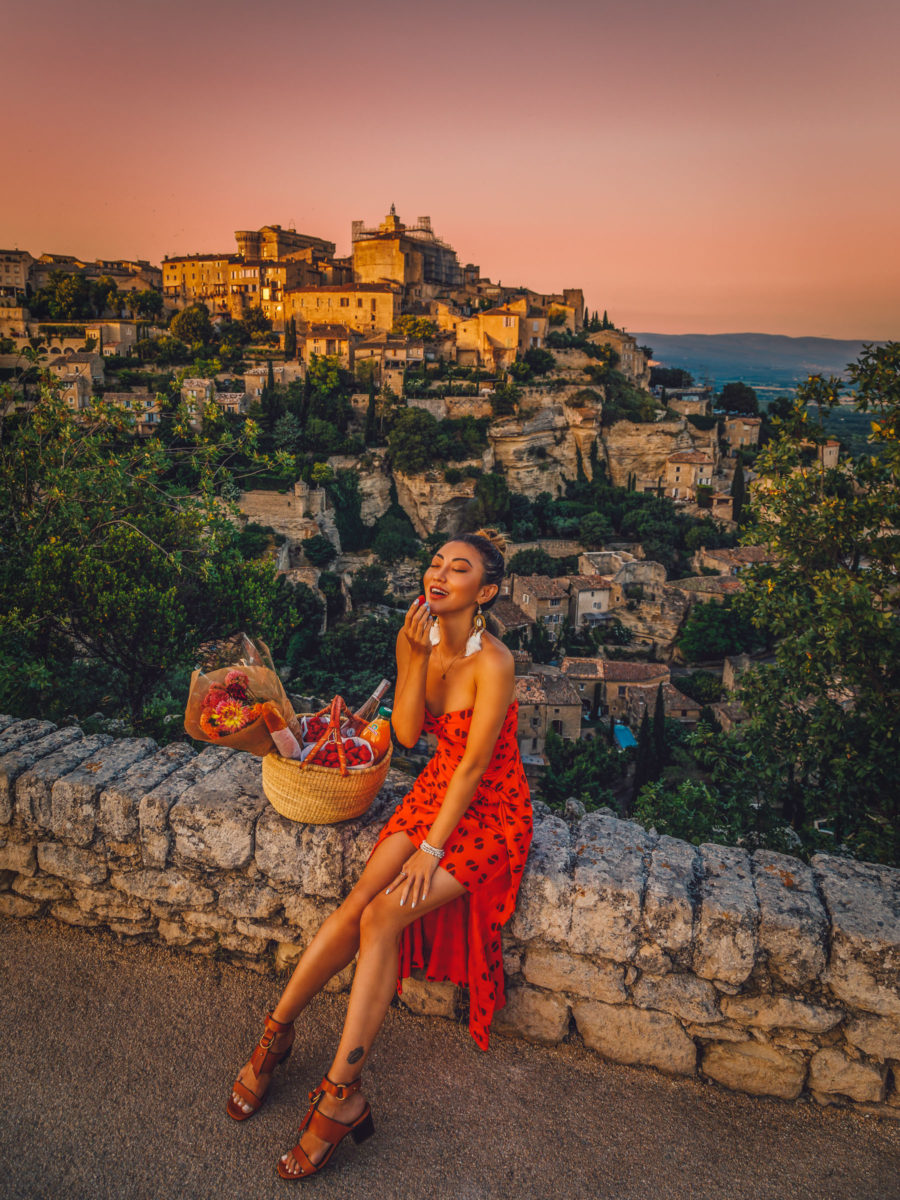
{"x":265,"y":684}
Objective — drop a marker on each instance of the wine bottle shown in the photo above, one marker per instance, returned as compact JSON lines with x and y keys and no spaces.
{"x":365,"y":714}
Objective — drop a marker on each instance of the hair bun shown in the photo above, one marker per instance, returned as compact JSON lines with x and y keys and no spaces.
{"x":494,"y":536}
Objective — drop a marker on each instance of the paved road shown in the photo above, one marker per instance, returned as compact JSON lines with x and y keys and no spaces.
{"x":117,"y":1062}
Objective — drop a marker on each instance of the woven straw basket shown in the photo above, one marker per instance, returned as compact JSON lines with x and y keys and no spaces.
{"x":321,"y":795}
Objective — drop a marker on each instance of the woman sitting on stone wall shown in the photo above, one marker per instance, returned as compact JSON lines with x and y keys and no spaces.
{"x":443,"y":875}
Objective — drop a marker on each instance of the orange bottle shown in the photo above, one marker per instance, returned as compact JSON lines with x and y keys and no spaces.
{"x":378,"y":732}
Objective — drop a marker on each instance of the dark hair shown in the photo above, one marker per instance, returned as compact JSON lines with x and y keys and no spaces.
{"x":490,"y":544}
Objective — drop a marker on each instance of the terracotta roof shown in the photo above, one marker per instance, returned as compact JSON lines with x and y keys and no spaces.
{"x":225,"y":397}
{"x":344,"y":287}
{"x":559,"y":690}
{"x":333,"y":331}
{"x":584,"y":583}
{"x":690,"y":456}
{"x":543,"y":587}
{"x":581,"y":668}
{"x":621,"y":671}
{"x":498,"y":312}
{"x":746,"y":420}
{"x":742,"y":554}
{"x":530,"y":689}
{"x":509,"y":614}
{"x":725,"y":585}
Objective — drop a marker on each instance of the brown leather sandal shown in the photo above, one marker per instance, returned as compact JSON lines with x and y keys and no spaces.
{"x":327,"y":1128}
{"x":263,"y":1060}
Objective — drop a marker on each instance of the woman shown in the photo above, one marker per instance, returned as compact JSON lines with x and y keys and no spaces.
{"x":444,"y":873}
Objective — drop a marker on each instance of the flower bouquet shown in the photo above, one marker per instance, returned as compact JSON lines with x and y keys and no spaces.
{"x":236,"y":697}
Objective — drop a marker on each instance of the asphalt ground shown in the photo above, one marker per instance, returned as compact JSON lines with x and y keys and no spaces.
{"x":118,"y":1061}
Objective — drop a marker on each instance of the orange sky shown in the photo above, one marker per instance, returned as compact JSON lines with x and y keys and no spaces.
{"x":700,"y":167}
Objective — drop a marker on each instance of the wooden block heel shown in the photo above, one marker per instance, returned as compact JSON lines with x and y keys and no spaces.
{"x":364,"y":1129}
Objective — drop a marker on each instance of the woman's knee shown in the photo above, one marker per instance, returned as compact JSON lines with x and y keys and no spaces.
{"x":380,"y":917}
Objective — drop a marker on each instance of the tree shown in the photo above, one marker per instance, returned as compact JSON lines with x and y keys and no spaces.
{"x":369,"y":435}
{"x":414,"y":327}
{"x":828,"y":711}
{"x":659,"y":731}
{"x":192,"y":325}
{"x":738,"y":398}
{"x":583,"y":768}
{"x":113,"y":569}
{"x":290,"y":340}
{"x":369,"y":585}
{"x":738,"y":492}
{"x":539,"y":361}
{"x":714,"y":630}
{"x":535,"y":561}
{"x":319,"y":550}
{"x":644,"y":763}
{"x":595,"y":529}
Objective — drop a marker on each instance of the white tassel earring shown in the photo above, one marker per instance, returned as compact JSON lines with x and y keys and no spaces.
{"x":434,"y":634}
{"x":474,"y":641}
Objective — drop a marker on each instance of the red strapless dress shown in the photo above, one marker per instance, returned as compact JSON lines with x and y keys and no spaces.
{"x":460,"y":941}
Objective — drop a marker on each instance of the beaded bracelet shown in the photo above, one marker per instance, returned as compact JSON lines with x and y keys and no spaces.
{"x":423,"y":845}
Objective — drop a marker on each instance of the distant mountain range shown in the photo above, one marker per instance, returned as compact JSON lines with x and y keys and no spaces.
{"x":769,"y":362}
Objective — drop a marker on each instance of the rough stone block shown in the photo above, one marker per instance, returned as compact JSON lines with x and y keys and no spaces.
{"x":75,"y":799}
{"x":310,"y":857}
{"x":769,"y":1012}
{"x":118,"y":818}
{"x":34,"y":787}
{"x":305,"y":914}
{"x":108,"y":904}
{"x":877,"y":1036}
{"x":153,"y":809}
{"x":755,"y":1067}
{"x":71,"y":863}
{"x":830,"y":1070}
{"x":17,"y":733}
{"x":863,"y":902}
{"x":682,"y":994}
{"x":242,"y":898}
{"x":16,"y":759}
{"x":213,"y":821}
{"x":171,"y":887}
{"x":19,"y":857}
{"x":562,"y":972}
{"x":18,"y":906}
{"x":71,"y":914}
{"x":359,"y":835}
{"x":672,"y":880}
{"x":635,"y":1035}
{"x":242,"y":944}
{"x":271,"y":933}
{"x":793,"y":925}
{"x":41,"y":888}
{"x":174,"y":934}
{"x":429,"y":997}
{"x":208,"y":922}
{"x":544,"y":901}
{"x":537,"y":1016}
{"x":725,"y":941}
{"x":6,"y":721}
{"x":609,"y":877}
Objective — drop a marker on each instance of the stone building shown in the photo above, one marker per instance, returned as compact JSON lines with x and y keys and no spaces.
{"x":389,"y":358}
{"x":15,"y":268}
{"x":633,"y":362}
{"x":331,"y":341}
{"x":84,"y":362}
{"x":690,"y":402}
{"x":369,"y":308}
{"x":591,"y":598}
{"x":741,"y":431}
{"x":143,"y":406}
{"x":506,"y":617}
{"x":546,"y":702}
{"x":585,"y":675}
{"x":732,"y":560}
{"x":409,"y":255}
{"x":686,"y":470}
{"x":620,"y":678}
{"x":676,"y":705}
{"x":544,"y":599}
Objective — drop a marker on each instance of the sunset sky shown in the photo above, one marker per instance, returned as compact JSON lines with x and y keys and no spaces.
{"x":696,"y":167}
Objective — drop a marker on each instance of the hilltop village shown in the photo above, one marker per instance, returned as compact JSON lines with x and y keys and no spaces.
{"x":548,"y":392}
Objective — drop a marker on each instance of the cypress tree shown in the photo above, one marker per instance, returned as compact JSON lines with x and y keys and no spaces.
{"x":659,"y":732}
{"x":643,"y":765}
{"x":738,"y":491}
{"x":270,"y":378}
{"x":290,"y":339}
{"x":369,"y":435}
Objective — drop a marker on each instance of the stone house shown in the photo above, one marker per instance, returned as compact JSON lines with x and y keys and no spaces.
{"x":731,"y":561}
{"x":722,"y":506}
{"x":389,"y":359}
{"x":143,"y":406}
{"x":633,"y":362}
{"x":85,"y":362}
{"x":15,"y":266}
{"x":591,"y":598}
{"x":676,"y":705}
{"x":546,"y":702}
{"x":741,"y":431}
{"x":232,"y":402}
{"x":585,"y":675}
{"x":690,"y":402}
{"x":542,"y":598}
{"x":369,"y":308}
{"x":332,"y":341}
{"x":620,"y":678}
{"x":706,"y":587}
{"x":507,"y":617}
{"x":730,"y":714}
{"x":283,"y":373}
{"x":75,"y":391}
{"x":489,"y":339}
{"x":686,"y":470}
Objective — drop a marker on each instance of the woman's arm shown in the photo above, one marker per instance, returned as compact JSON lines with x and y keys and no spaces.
{"x":413,"y":651}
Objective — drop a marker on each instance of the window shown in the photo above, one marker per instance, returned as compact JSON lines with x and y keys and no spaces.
{"x":621,"y":690}
{"x":345,"y":301}
{"x":507,"y":322}
{"x":535,"y":721}
{"x":525,"y":598}
{"x":554,"y":603}
{"x":359,"y":303}
{"x":557,"y":725}
{"x":534,"y":743}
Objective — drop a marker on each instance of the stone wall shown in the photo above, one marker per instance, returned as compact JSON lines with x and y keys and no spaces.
{"x":753,"y":970}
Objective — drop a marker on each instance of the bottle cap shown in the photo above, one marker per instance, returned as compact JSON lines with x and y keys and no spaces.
{"x":383,"y":711}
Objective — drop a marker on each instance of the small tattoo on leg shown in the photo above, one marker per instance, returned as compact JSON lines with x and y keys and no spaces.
{"x":355,"y":1055}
